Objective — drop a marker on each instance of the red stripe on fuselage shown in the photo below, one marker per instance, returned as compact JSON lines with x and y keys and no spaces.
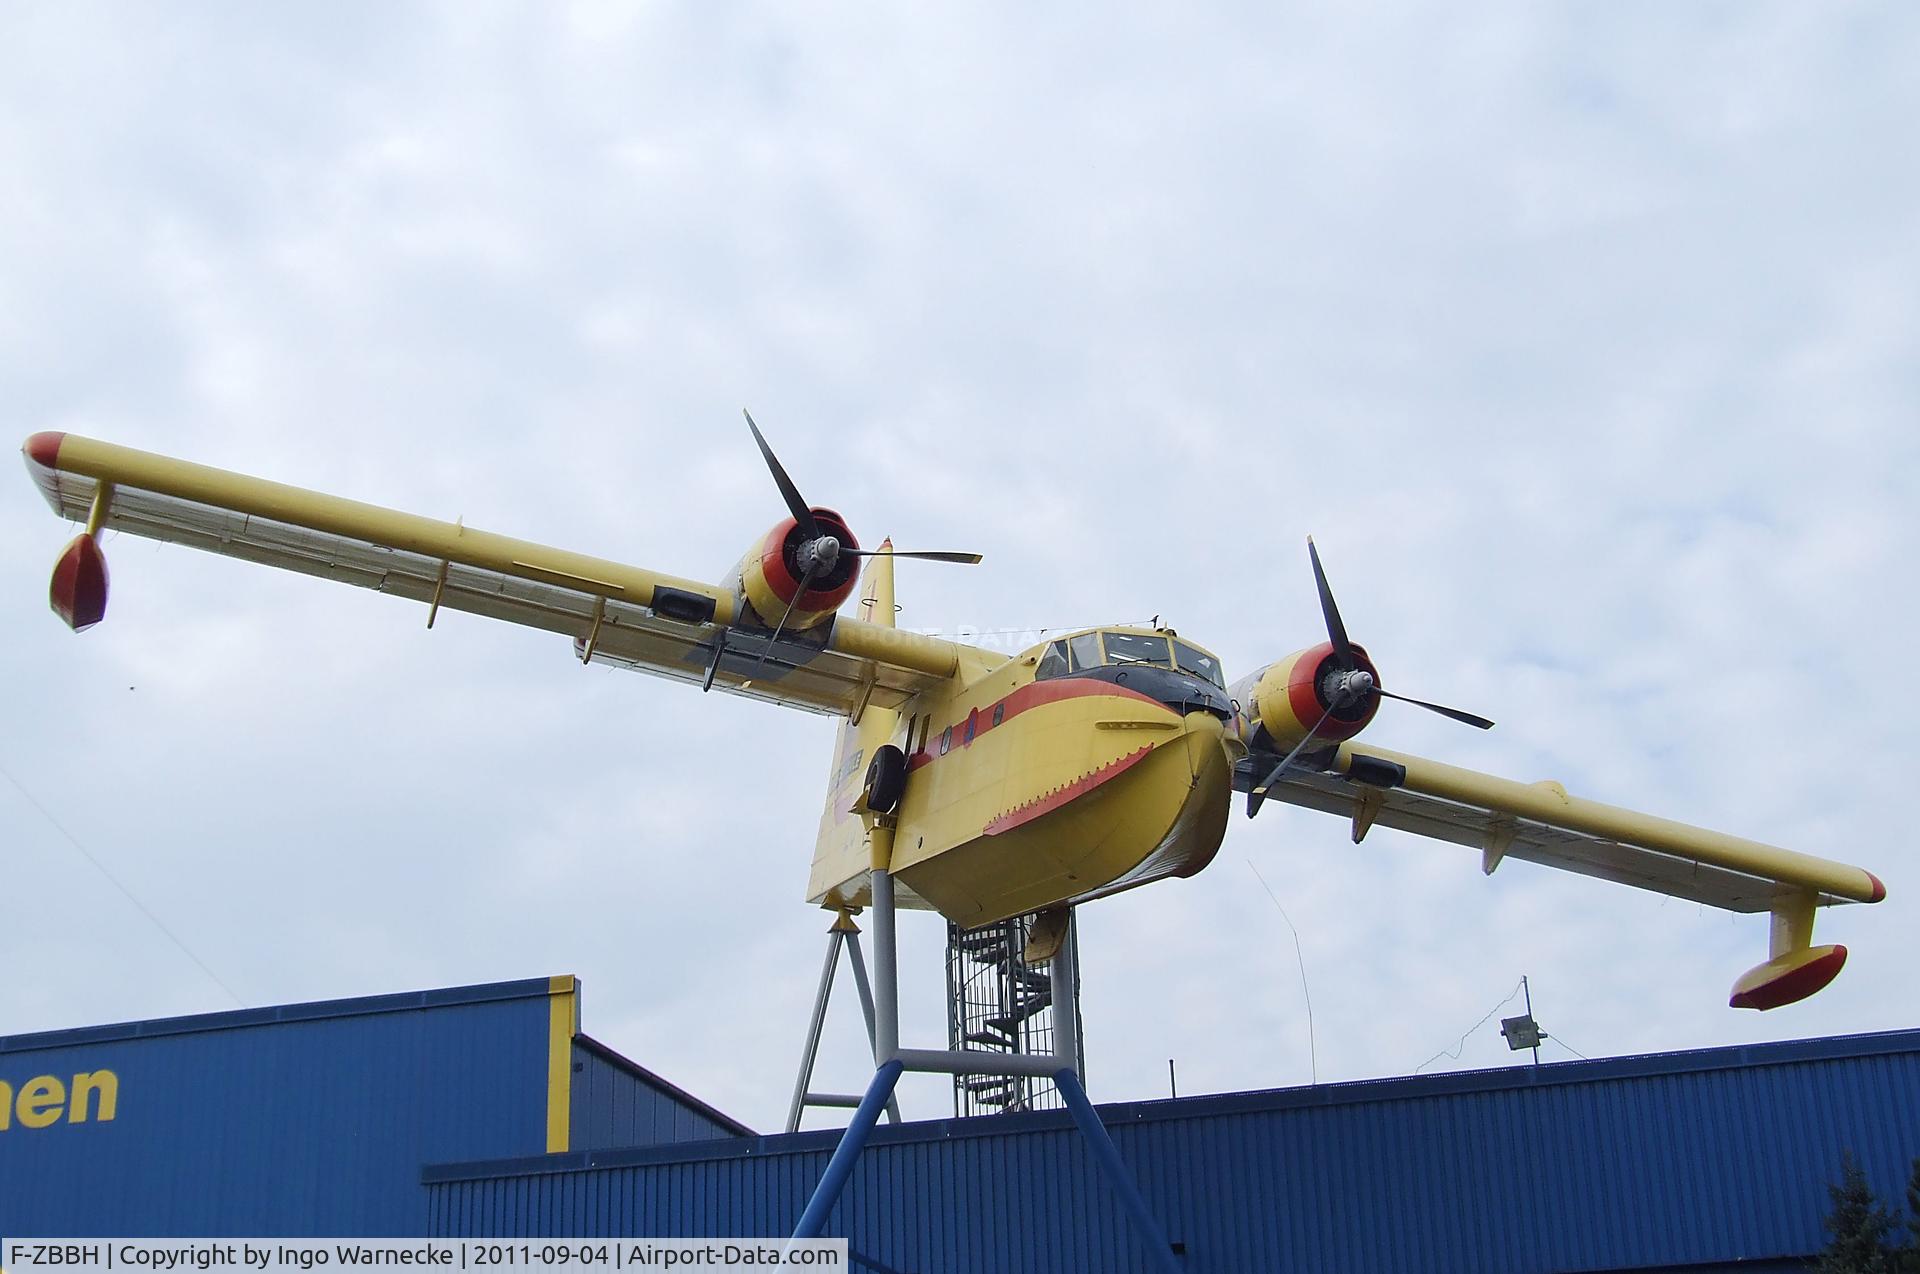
{"x":1034,"y":694}
{"x":1054,"y":800}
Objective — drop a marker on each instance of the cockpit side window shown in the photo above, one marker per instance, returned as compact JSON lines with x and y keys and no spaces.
{"x":1085,"y":650}
{"x":1053,"y":663}
{"x":1198,"y":662}
{"x":1132,"y":648}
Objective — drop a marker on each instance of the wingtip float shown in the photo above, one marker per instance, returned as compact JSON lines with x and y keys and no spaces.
{"x":78,"y":591}
{"x":984,"y":787}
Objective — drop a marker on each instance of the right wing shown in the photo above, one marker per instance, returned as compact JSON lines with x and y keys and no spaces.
{"x":1542,"y":823}
{"x":615,"y":613}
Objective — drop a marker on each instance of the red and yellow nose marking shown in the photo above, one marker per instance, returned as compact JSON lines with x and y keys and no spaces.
{"x":1059,"y":790}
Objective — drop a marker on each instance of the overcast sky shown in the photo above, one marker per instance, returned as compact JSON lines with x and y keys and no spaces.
{"x":1582,"y":340}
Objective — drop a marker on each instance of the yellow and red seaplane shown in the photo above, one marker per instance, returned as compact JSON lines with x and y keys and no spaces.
{"x":988,"y":786}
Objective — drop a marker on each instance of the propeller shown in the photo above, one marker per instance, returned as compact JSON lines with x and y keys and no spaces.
{"x":820,"y":552}
{"x":1342,"y":686}
{"x":802,"y":513}
{"x":1464,"y":718}
{"x":1336,"y":631}
{"x":923,"y":555}
{"x":1350,"y":667}
{"x":1257,"y":795}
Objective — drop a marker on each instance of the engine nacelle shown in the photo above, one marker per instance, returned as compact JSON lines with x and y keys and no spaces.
{"x":1288,"y":696}
{"x":768,"y":577}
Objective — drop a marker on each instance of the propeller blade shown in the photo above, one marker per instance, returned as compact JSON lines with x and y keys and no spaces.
{"x":1259,"y":794}
{"x":788,"y":492}
{"x":964,"y":559}
{"x":1336,"y":631}
{"x":806,"y":580}
{"x":1466,"y":718}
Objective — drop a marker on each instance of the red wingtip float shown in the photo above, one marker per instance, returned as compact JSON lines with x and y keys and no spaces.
{"x":79,"y":591}
{"x":1786,"y":980}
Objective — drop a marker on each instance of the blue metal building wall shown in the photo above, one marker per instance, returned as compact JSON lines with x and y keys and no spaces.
{"x":618,"y":1103}
{"x":1695,"y":1160}
{"x":312,"y":1118}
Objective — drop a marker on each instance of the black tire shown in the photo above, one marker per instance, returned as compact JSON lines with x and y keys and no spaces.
{"x":886,"y":778}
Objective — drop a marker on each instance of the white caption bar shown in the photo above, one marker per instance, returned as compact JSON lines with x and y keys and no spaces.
{"x":496,"y":1256}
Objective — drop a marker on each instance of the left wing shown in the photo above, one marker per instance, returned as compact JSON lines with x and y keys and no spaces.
{"x":617,"y":614}
{"x":1542,"y":823}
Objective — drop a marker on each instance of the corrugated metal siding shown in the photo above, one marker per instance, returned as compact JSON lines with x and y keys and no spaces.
{"x":618,"y":1103}
{"x":310,"y":1118}
{"x":1696,"y":1159}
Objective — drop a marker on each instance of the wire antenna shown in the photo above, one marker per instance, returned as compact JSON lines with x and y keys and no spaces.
{"x":1313,"y":1052}
{"x":1455,"y":1051}
{"x":124,"y":891}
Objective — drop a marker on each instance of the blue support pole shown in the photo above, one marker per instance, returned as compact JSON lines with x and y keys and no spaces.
{"x":840,"y":1167}
{"x":1107,"y":1155}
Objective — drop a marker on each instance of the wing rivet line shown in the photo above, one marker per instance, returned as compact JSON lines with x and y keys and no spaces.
{"x":572,"y":580}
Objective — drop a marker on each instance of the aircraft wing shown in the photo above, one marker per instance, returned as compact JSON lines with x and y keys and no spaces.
{"x":1541,"y":823}
{"x":615,"y":613}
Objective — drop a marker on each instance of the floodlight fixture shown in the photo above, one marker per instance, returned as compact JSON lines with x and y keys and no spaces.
{"x":1521,"y":1032}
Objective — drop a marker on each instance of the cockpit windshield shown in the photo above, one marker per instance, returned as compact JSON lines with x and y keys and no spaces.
{"x":1198,"y":662}
{"x":1087,"y":651}
{"x":1132,"y":648}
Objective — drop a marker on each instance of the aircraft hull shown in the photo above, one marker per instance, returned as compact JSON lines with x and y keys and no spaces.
{"x":1157,"y":810}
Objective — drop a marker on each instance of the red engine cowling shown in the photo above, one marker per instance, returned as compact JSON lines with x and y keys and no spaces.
{"x":1290,"y":695}
{"x":768,"y":577}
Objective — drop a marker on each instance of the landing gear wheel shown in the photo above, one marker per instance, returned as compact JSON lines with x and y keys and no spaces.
{"x":886,"y":778}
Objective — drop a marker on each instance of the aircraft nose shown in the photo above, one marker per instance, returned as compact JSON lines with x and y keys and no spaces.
{"x":1181,"y":691}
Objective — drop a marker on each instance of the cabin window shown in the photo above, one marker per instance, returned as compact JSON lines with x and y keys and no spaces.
{"x":999,"y":712}
{"x":1133,"y":648}
{"x":1053,"y":663}
{"x":946,"y":740}
{"x":1085,"y":650}
{"x":1198,"y":662}
{"x":973,"y":722}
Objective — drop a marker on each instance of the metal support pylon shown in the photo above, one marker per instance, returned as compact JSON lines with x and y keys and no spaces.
{"x":891,"y":1061}
{"x":843,"y":935}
